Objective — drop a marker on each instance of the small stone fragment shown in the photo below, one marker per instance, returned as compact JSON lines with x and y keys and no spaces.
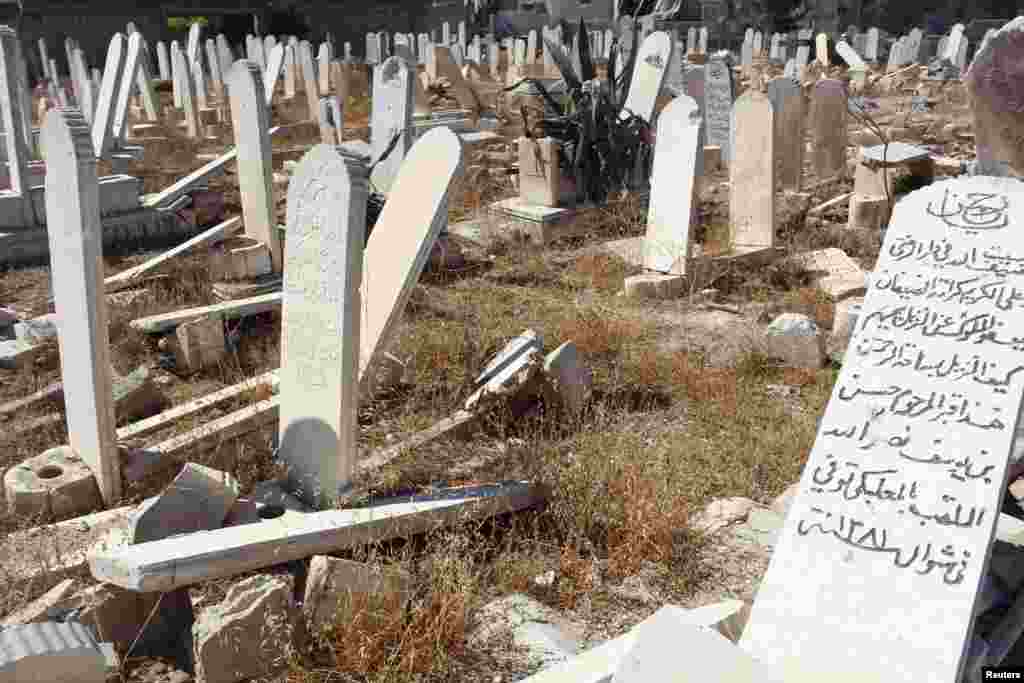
{"x":569,"y":380}
{"x":796,"y":340}
{"x":339,"y":590}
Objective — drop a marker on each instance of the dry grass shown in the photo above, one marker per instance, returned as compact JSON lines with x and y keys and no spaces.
{"x":663,"y":435}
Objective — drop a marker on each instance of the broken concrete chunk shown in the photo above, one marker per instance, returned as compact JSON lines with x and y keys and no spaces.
{"x":509,"y":380}
{"x":721,"y":513}
{"x":834,"y":272}
{"x":796,"y":340}
{"x":137,"y":396}
{"x":338,"y":591}
{"x":654,"y":286}
{"x":198,"y":499}
{"x":40,"y":608}
{"x":661,"y":639}
{"x":547,"y":636}
{"x":569,"y":378}
{"x":200,"y":344}
{"x":49,"y":652}
{"x":248,"y":635}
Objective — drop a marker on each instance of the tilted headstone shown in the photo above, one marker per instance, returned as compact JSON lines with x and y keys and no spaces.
{"x":163,"y":61}
{"x":758,"y":43}
{"x":752,"y":173}
{"x":275,"y":64}
{"x":175,"y":75}
{"x":195,"y":32}
{"x":961,"y":56}
{"x":15,"y":142}
{"x":258,"y":53}
{"x":392,"y":109}
{"x":881,"y":558}
{"x":703,"y":40}
{"x":773,"y":49}
{"x":124,"y":89}
{"x":675,"y":175}
{"x":323,"y":60}
{"x":828,"y":127}
{"x":250,"y":119}
{"x":372,"y":49}
{"x":746,"y":55}
{"x":290,"y":71}
{"x":995,"y":88}
{"x":821,"y":49}
{"x":648,"y":76}
{"x":76,"y":252}
{"x":309,"y":80}
{"x":104,"y":119}
{"x":320,"y":328}
{"x":691,"y":40}
{"x":956,"y":35}
{"x":790,"y":70}
{"x":189,"y":101}
{"x":850,"y":56}
{"x":788,"y":107}
{"x":213,"y":61}
{"x":87,"y":99}
{"x":914,"y":40}
{"x":718,"y":101}
{"x":224,"y":54}
{"x":199,"y":81}
{"x":871,"y":49}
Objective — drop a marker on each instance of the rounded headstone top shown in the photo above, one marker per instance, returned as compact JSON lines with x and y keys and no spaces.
{"x":996,"y":74}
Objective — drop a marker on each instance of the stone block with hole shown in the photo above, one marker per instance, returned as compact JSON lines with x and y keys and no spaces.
{"x":200,"y":344}
{"x":57,"y":482}
{"x":341,"y":591}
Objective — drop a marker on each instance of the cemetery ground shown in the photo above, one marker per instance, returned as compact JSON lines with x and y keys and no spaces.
{"x":687,"y":408}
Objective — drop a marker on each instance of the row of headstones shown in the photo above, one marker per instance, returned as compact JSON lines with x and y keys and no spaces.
{"x":329,"y":337}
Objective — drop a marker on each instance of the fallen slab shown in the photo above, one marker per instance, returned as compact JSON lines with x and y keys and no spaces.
{"x":185,"y":560}
{"x":130,"y":276}
{"x":229,"y":310}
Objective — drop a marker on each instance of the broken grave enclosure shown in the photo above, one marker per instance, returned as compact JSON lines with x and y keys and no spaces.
{"x":882,"y":555}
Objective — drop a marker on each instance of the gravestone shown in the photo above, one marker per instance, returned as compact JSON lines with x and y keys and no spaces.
{"x":752,"y":173}
{"x":746,"y":56}
{"x":692,"y":40}
{"x":788,"y":106}
{"x":821,"y":49}
{"x":994,"y":88}
{"x":250,"y":119}
{"x":693,"y":86}
{"x":124,"y":89}
{"x":773,"y":50}
{"x":323,"y":60}
{"x":677,"y":167}
{"x":290,"y":70}
{"x":878,"y":567}
{"x":213,"y":63}
{"x":961,"y":55}
{"x":956,"y":35}
{"x":718,"y":100}
{"x":88,"y":94}
{"x":758,"y":44}
{"x":531,"y":48}
{"x":372,"y":49}
{"x":309,"y":80}
{"x":104,"y":118}
{"x":703,"y":39}
{"x":326,"y":231}
{"x":403,"y":237}
{"x":224,"y":54}
{"x":914,"y":40}
{"x":392,"y":109}
{"x":76,"y":252}
{"x":189,"y":100}
{"x":275,"y":64}
{"x":162,"y":60}
{"x":871,"y":47}
{"x":652,"y":61}
{"x":828,"y":128}
{"x":192,"y":46}
{"x":16,"y":143}
{"x":850,"y":56}
{"x":790,"y":70}
{"x":175,"y":75}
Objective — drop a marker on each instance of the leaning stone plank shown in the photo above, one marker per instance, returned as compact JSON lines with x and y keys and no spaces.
{"x":386,"y":455}
{"x":228,"y":310}
{"x":127,"y":277}
{"x":53,"y":392}
{"x":142,"y":463}
{"x":192,"y":179}
{"x":182,"y":561}
{"x":141,"y":428}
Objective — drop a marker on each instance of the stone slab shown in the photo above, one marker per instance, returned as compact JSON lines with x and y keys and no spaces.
{"x":882,"y":581}
{"x":835,"y":273}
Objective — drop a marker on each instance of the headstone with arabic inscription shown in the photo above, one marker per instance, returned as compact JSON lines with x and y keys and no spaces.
{"x":879,"y":564}
{"x":718,"y":100}
{"x":652,"y":62}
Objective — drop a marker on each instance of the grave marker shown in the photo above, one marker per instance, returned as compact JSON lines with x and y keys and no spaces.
{"x":828,"y":125}
{"x":323,"y":59}
{"x":392,"y":108}
{"x":788,"y":106}
{"x":309,"y":80}
{"x":871,"y":49}
{"x":993,"y":92}
{"x":752,"y":173}
{"x":216,"y":79}
{"x":275,"y":63}
{"x":124,"y":90}
{"x":188,"y":95}
{"x":162,"y":60}
{"x":102,"y":122}
{"x":880,"y":561}
{"x":676,"y":169}
{"x":76,"y":252}
{"x":250,"y":118}
{"x":648,"y":76}
{"x":194,"y":34}
{"x":15,"y":143}
{"x":718,"y":100}
{"x":821,"y":49}
{"x":321,"y":322}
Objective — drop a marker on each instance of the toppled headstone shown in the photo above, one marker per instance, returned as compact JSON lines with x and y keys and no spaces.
{"x":796,"y":340}
{"x":198,"y":499}
{"x":248,"y":635}
{"x":509,"y":371}
{"x":546,"y":635}
{"x":339,"y":591}
{"x":834,"y":272}
{"x":51,"y":652}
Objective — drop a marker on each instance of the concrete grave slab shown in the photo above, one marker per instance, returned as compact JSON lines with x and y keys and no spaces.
{"x":911,"y":549}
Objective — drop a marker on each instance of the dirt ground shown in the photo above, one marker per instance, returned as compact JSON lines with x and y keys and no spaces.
{"x":683,"y":412}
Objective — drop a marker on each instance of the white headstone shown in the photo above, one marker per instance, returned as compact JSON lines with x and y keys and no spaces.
{"x":275,"y":64}
{"x":163,"y":61}
{"x":76,"y":252}
{"x":871,"y":51}
{"x":649,"y":75}
{"x":320,"y":328}
{"x":195,"y":32}
{"x":703,"y":40}
{"x":124,"y":89}
{"x":675,"y":175}
{"x":16,"y":144}
{"x":309,"y":80}
{"x":104,"y":119}
{"x":392,"y":108}
{"x":752,"y":172}
{"x":189,"y":100}
{"x":878,"y":566}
